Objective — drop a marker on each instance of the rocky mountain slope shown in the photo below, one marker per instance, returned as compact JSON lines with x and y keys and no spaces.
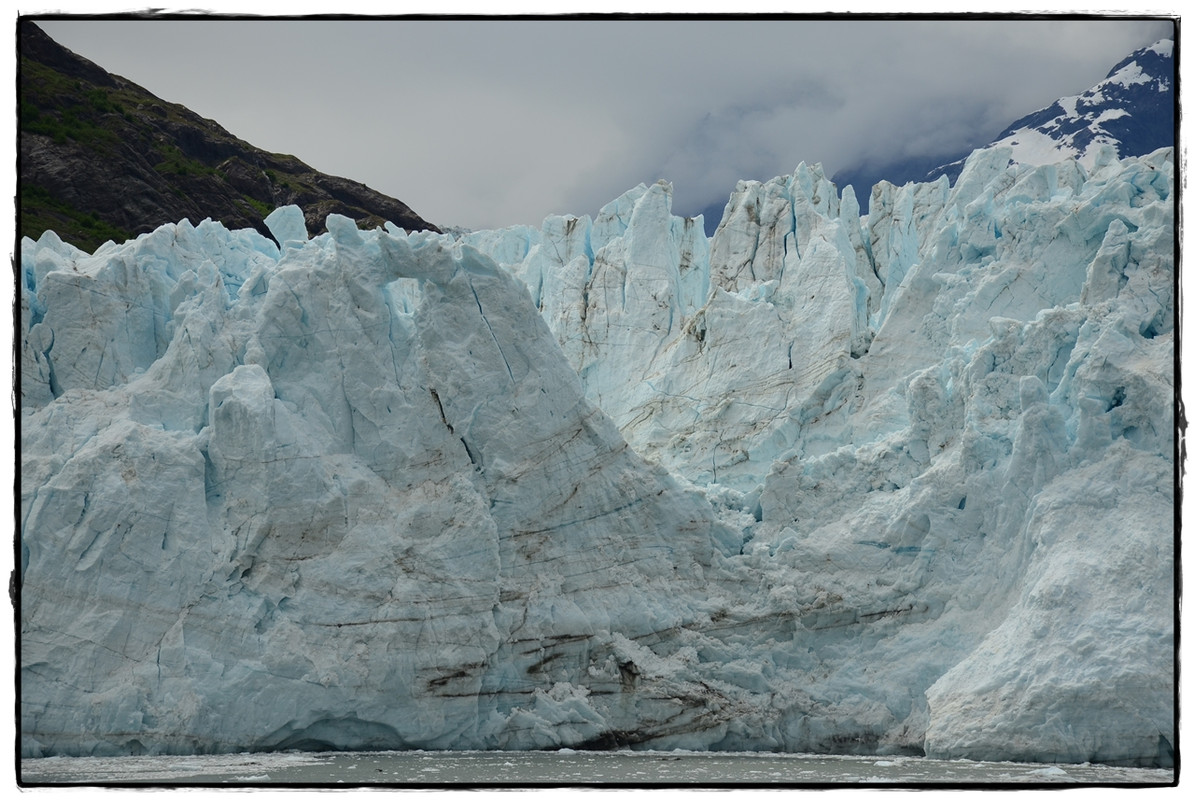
{"x":101,"y":158}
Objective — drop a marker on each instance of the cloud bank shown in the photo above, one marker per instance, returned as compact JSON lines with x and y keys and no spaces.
{"x":495,"y":122}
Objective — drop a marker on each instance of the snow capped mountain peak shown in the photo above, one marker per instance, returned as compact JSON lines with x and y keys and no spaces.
{"x":1131,"y":111}
{"x":1156,"y":59}
{"x":1077,"y":126}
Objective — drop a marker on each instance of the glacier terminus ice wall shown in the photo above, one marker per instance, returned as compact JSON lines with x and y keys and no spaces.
{"x":901,"y":483}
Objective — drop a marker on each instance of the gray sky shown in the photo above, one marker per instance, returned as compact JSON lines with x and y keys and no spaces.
{"x":498,"y":122}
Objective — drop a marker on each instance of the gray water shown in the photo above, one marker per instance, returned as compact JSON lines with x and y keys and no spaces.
{"x":562,"y":768}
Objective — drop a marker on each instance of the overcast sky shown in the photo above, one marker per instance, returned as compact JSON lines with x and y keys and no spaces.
{"x":499,"y":122}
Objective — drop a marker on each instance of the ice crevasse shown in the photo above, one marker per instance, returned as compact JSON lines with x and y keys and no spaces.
{"x":901,"y":483}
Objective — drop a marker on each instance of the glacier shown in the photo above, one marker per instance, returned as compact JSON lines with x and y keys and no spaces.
{"x":894,"y":483}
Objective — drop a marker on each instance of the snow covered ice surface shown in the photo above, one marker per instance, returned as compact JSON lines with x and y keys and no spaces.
{"x":890,"y":485}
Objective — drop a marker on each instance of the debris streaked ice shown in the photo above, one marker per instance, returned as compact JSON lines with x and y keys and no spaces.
{"x":883,"y":485}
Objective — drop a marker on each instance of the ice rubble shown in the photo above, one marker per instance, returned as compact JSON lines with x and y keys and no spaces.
{"x":894,"y":484}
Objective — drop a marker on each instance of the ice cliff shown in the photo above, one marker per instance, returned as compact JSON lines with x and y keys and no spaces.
{"x":898,"y":483}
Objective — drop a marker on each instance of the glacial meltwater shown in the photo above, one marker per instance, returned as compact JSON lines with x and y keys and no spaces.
{"x":563,"y":768}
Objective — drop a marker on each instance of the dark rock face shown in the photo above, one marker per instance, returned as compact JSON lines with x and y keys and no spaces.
{"x":102,"y":158}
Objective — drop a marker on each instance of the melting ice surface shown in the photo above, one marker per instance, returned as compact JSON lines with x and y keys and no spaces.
{"x":891,"y":485}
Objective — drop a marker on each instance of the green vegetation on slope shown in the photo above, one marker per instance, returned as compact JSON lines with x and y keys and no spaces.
{"x":102,"y":158}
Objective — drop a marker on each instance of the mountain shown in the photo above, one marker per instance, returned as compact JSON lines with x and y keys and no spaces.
{"x":901,"y":483}
{"x":101,"y":158}
{"x":1131,"y":110}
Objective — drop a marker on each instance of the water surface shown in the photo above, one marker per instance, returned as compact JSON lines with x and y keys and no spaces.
{"x":563,"y":768}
